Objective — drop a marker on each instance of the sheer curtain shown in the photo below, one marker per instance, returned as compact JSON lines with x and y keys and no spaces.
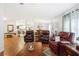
{"x":78,"y":22}
{"x":74,"y":22}
{"x":66,"y":23}
{"x":71,"y":22}
{"x":77,"y":25}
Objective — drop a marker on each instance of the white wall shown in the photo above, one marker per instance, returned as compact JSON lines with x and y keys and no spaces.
{"x":55,"y":23}
{"x":32,"y":23}
{"x":9,"y":22}
{"x":1,"y":27}
{"x":1,"y":35}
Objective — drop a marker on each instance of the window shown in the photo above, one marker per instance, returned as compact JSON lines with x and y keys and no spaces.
{"x":66,"y":23}
{"x":71,"y":23}
{"x":74,"y":23}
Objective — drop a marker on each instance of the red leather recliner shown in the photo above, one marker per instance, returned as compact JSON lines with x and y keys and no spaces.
{"x":64,"y":36}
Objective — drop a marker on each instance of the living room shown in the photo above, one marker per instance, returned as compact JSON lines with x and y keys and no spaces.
{"x":34,"y":29}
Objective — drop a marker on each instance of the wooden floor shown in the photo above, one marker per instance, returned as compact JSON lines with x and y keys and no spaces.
{"x":2,"y":53}
{"x":36,"y":52}
{"x":14,"y":45}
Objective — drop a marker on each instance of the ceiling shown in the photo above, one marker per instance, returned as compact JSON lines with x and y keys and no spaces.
{"x":30,"y":11}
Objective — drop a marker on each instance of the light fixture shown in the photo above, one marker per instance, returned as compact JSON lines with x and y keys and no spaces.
{"x":21,"y":3}
{"x":4,"y":18}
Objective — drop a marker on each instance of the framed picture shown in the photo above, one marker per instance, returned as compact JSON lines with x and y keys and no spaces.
{"x":10,"y":28}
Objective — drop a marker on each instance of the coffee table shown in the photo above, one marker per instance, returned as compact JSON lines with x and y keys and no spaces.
{"x":36,"y":52}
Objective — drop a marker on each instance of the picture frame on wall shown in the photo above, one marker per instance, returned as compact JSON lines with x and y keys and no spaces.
{"x":10,"y":28}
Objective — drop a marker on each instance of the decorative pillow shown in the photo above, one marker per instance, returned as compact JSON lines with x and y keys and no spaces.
{"x":57,"y":38}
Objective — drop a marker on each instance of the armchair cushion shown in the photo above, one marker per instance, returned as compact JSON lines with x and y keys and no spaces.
{"x":65,"y":42}
{"x":54,"y":46}
{"x":64,"y":36}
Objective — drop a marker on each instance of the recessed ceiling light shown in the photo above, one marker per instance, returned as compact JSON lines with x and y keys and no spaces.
{"x":5,"y":18}
{"x":21,"y":3}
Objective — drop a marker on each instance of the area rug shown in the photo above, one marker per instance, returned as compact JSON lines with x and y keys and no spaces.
{"x":47,"y":51}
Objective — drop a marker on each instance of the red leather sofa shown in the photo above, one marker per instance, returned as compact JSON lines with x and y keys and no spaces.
{"x":64,"y":36}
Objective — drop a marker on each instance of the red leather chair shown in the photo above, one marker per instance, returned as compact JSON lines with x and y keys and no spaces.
{"x":67,"y":36}
{"x":64,"y":36}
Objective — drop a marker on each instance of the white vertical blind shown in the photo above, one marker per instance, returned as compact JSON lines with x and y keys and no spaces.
{"x":78,"y":23}
{"x":74,"y":22}
{"x":67,"y":23}
{"x":71,"y":22}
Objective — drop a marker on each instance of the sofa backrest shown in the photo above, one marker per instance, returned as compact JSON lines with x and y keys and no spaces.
{"x":66,"y":36}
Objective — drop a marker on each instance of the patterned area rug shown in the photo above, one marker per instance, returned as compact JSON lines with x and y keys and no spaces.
{"x":47,"y":51}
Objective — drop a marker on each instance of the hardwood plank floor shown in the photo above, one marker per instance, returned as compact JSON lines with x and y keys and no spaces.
{"x":2,"y":53}
{"x":24,"y":52}
{"x":36,"y":52}
{"x":12,"y":46}
{"x":15,"y":44}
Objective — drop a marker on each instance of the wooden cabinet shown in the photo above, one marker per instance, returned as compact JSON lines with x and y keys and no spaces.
{"x":29,"y":37}
{"x":44,"y":36}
